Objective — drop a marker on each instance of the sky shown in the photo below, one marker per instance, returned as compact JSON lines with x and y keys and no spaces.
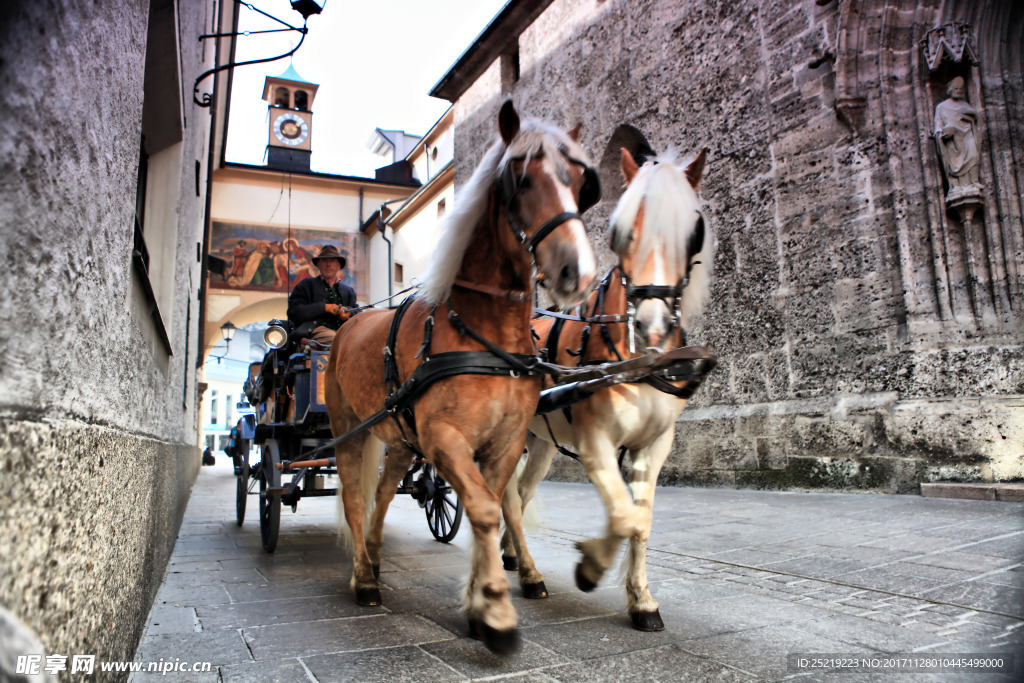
{"x":375,"y":63}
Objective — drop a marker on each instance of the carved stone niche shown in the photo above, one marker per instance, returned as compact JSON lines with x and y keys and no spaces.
{"x":949,"y":53}
{"x":956,"y":131}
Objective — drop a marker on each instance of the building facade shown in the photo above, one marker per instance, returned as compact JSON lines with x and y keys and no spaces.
{"x":268,"y":222}
{"x":401,"y":234}
{"x":864,"y":185}
{"x":102,"y":209}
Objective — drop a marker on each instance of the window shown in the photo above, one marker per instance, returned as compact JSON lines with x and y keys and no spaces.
{"x":510,"y":68}
{"x":399,"y":273}
{"x":281,"y":98}
{"x":301,"y":100}
{"x":214,"y":405}
{"x":155,"y":225}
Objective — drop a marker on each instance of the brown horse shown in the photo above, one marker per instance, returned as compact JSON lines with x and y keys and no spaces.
{"x":662,"y":241}
{"x":518,"y":213}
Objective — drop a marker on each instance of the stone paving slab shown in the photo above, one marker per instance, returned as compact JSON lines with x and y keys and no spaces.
{"x":743,"y":579}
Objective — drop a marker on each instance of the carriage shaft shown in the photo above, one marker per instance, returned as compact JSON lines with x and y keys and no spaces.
{"x":300,"y":464}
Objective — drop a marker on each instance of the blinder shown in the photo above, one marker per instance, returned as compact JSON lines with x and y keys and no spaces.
{"x":590,"y":192}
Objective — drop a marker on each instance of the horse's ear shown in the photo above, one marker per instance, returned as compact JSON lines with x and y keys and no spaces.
{"x":695,"y":171}
{"x":508,"y":122}
{"x":575,"y":132}
{"x":629,"y":166}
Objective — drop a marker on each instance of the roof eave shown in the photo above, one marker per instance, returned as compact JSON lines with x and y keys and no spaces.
{"x":496,"y":38}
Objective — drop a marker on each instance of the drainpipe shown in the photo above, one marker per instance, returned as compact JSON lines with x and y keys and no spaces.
{"x":391,"y":266}
{"x":383,"y":234}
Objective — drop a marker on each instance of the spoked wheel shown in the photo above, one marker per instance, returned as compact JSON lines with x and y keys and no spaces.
{"x":443,"y":507}
{"x":270,"y":506}
{"x":242,"y":492}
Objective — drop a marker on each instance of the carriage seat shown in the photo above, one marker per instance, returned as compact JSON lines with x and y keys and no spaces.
{"x":313,"y":344}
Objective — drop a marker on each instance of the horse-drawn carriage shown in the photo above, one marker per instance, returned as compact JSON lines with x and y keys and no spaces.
{"x":463,"y":381}
{"x":288,"y":424}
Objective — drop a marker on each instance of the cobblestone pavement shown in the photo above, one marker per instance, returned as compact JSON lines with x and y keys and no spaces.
{"x":744,"y":578}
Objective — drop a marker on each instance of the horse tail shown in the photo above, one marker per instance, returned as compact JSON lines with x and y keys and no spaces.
{"x":369,"y":474}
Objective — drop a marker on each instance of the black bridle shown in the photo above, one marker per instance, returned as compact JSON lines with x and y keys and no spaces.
{"x":509,"y":189}
{"x":671,"y":295}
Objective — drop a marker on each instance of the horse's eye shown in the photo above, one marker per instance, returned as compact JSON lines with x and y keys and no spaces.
{"x":524,"y":183}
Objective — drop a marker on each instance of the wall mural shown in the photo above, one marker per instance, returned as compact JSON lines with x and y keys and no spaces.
{"x":270,"y":259}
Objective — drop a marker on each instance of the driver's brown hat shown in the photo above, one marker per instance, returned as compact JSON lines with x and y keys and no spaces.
{"x":329,"y":251}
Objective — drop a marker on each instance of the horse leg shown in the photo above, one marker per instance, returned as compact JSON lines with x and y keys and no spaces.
{"x":647,"y":464}
{"x":517,"y":496}
{"x":395,"y":467}
{"x":510,"y":502}
{"x":488,"y":607}
{"x":598,"y":454}
{"x":350,"y":461}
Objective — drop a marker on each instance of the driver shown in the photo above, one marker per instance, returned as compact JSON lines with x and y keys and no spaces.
{"x":319,"y":305}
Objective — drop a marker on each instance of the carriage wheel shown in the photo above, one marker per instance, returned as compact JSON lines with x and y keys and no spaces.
{"x":443,"y":508}
{"x":270,"y":506}
{"x":242,"y":492}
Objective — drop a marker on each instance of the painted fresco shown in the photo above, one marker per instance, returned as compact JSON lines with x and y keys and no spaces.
{"x":269,"y":259}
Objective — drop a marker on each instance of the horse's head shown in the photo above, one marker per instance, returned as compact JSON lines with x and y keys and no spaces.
{"x":664,"y":244}
{"x":544,"y":183}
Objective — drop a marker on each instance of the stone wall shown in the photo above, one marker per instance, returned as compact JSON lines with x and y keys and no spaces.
{"x":98,"y":440}
{"x":869,"y":333}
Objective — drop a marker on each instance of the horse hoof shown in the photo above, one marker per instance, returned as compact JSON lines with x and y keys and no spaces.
{"x":535,"y":591}
{"x":647,"y":621}
{"x":582,"y":582}
{"x":376,"y":571}
{"x":511,"y":563}
{"x":499,"y":642}
{"x":368,"y":597}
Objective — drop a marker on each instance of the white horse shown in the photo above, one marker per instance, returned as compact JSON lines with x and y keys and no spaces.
{"x":663,"y":243}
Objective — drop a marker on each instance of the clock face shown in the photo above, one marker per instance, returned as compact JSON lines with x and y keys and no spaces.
{"x":291,"y":129}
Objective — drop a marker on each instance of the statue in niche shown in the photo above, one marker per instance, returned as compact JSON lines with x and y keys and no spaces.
{"x":956,"y":135}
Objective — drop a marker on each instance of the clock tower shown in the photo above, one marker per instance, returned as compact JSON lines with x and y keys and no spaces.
{"x":290,"y":100}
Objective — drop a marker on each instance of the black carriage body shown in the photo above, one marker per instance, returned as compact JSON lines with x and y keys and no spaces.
{"x":290,"y":422}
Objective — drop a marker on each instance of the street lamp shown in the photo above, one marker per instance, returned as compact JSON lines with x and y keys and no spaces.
{"x":227,"y":333}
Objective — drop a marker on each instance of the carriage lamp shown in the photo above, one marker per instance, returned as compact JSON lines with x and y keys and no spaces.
{"x":275,"y":336}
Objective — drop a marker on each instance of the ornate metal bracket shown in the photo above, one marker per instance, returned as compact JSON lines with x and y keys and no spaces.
{"x":304,"y":7}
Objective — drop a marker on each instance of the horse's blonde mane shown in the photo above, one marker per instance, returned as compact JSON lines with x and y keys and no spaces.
{"x":670,"y":217}
{"x":535,"y":137}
